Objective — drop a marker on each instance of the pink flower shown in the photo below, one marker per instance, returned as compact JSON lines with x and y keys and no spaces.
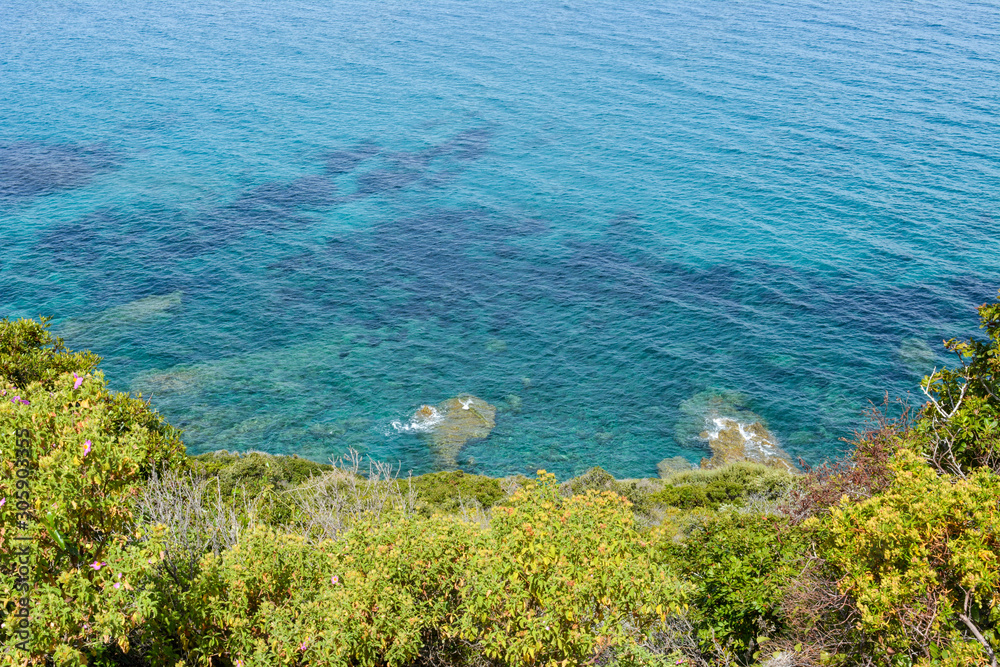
{"x":334,"y":580}
{"x":3,"y":501}
{"x":79,"y":381}
{"x":118,"y":584}
{"x":97,"y":566}
{"x":302,"y":646}
{"x":86,"y":448}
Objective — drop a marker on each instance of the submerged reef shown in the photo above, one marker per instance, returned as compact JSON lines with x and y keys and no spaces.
{"x":732,"y":441}
{"x":141,"y":312}
{"x":731,"y":430}
{"x":451,"y":424}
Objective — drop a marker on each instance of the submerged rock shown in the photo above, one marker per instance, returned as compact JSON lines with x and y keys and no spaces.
{"x":449,"y":425}
{"x":604,"y":437}
{"x":674,"y":464}
{"x":463,"y":418}
{"x":697,"y":413}
{"x":174,"y":381}
{"x":496,"y":345}
{"x":732,"y":441}
{"x":141,"y":312}
{"x":916,"y":355}
{"x":514,"y":403}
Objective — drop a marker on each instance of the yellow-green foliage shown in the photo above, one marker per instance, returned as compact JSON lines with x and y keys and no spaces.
{"x":638,"y":492}
{"x":552,"y":579}
{"x":740,"y":565}
{"x":88,"y":451}
{"x":237,"y":601}
{"x":731,"y":484}
{"x":448,"y":491}
{"x":265,"y":478}
{"x":374,"y":598}
{"x":29,"y":353}
{"x":83,"y":612}
{"x":254,"y":470}
{"x":563,"y":578}
{"x":920,"y":554}
{"x":961,"y":424}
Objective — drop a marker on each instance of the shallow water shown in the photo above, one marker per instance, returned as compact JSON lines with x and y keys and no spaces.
{"x":289,"y":227}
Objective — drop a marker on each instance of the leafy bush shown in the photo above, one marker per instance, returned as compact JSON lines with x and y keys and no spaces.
{"x":262,"y":478}
{"x":551,"y":579}
{"x":563,"y":579}
{"x":254,"y":471}
{"x":740,"y":565}
{"x":960,"y":424}
{"x":636,"y":492}
{"x":448,"y":491}
{"x":399,"y":592}
{"x":29,"y":353}
{"x":88,"y":451}
{"x":922,"y":559}
{"x":730,"y":485}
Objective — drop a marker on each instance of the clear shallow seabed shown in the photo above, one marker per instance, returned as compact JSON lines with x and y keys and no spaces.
{"x":291,"y":224}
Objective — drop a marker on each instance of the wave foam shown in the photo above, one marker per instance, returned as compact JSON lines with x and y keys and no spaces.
{"x":423,"y":421}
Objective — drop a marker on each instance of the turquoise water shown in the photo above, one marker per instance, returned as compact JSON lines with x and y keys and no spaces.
{"x":291,"y":224}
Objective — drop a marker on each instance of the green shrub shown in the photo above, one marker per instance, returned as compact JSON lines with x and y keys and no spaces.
{"x":740,"y":565}
{"x":922,"y":559}
{"x":76,"y":457}
{"x":261,"y":478}
{"x":598,"y":479}
{"x":448,"y":491}
{"x":730,"y":485}
{"x":399,"y":592}
{"x":960,"y":425}
{"x":563,"y":579}
{"x":383,"y":594}
{"x":29,"y":353}
{"x":89,"y":453}
{"x":254,"y":471}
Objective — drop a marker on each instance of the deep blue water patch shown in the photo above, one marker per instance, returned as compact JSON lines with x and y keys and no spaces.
{"x":31,"y":169}
{"x":290,"y":229}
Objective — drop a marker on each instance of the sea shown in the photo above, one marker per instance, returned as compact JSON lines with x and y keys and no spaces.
{"x":290,"y":224}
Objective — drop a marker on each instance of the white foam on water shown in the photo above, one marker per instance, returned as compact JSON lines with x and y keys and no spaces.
{"x":752,"y":441}
{"x":420,"y":423}
{"x":767,"y":447}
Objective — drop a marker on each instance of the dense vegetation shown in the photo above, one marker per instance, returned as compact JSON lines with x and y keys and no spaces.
{"x":141,"y":555}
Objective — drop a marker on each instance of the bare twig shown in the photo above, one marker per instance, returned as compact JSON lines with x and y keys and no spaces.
{"x":937,"y":406}
{"x":979,"y":636}
{"x":335,"y":501}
